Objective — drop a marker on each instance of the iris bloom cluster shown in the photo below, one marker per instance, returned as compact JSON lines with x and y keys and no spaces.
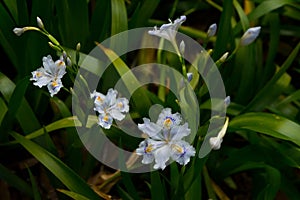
{"x":50,"y":74}
{"x":165,"y":140}
{"x":109,"y":107}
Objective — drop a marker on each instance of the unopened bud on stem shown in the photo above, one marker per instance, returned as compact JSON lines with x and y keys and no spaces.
{"x":224,"y":57}
{"x":182,"y":47}
{"x":56,"y":48}
{"x":78,"y":46}
{"x":212,"y":30}
{"x":18,"y":31}
{"x":40,"y":23}
{"x":249,"y":36}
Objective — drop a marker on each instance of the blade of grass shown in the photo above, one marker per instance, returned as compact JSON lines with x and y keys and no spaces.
{"x":262,"y":9}
{"x":73,"y":195}
{"x":269,"y":124}
{"x":73,"y":21}
{"x":15,"y":181}
{"x":25,"y":114}
{"x":6,"y":35}
{"x":101,"y":17}
{"x":242,"y":15}
{"x":3,"y":109}
{"x":260,"y":95}
{"x":118,"y":23}
{"x":124,"y":195}
{"x":72,"y":151}
{"x":269,"y":70}
{"x":13,"y":8}
{"x":35,"y":189}
{"x":118,"y":17}
{"x":68,"y":177}
{"x":143,"y":13}
{"x":59,"y":124}
{"x":224,"y":31}
{"x":208,"y":184}
{"x":157,"y":187}
{"x":131,"y":82}
{"x":129,"y":185}
{"x":292,"y":97}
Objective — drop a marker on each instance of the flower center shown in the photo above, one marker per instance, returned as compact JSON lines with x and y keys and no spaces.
{"x":99,"y":99}
{"x":149,"y":148}
{"x":120,"y":105}
{"x":54,"y":84}
{"x":60,"y":63}
{"x":105,"y":118}
{"x":168,"y":122}
{"x":178,"y":148}
{"x":38,"y":74}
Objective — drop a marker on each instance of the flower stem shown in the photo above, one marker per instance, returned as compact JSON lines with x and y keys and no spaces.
{"x":180,"y":58}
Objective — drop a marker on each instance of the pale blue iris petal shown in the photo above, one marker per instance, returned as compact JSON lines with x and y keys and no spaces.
{"x":99,"y":98}
{"x":161,"y":156}
{"x":164,"y":135}
{"x":54,"y":86}
{"x":162,"y":33}
{"x":41,"y":78}
{"x":111,"y":97}
{"x":167,"y":114}
{"x":149,"y":128}
{"x":43,"y":81}
{"x":168,"y":31}
{"x":100,"y":109}
{"x":116,"y":114}
{"x":49,"y":64}
{"x":182,"y":151}
{"x":178,"y":132}
{"x":163,"y":114}
{"x":145,"y":151}
{"x":105,"y":121}
{"x":122,"y":104}
{"x":60,"y":68}
{"x":37,"y":74}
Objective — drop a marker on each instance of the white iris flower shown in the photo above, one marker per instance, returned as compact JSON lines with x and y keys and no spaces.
{"x":50,"y":75}
{"x":168,"y":31}
{"x":109,"y":107}
{"x":165,"y":140}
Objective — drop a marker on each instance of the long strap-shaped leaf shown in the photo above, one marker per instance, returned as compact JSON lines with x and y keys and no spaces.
{"x":131,"y":82}
{"x":269,"y":124}
{"x":66,"y":175}
{"x":254,"y":105}
{"x":60,"y":124}
{"x":24,"y":114}
{"x":13,"y":180}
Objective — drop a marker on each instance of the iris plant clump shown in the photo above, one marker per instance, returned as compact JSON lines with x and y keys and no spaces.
{"x":164,"y":140}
